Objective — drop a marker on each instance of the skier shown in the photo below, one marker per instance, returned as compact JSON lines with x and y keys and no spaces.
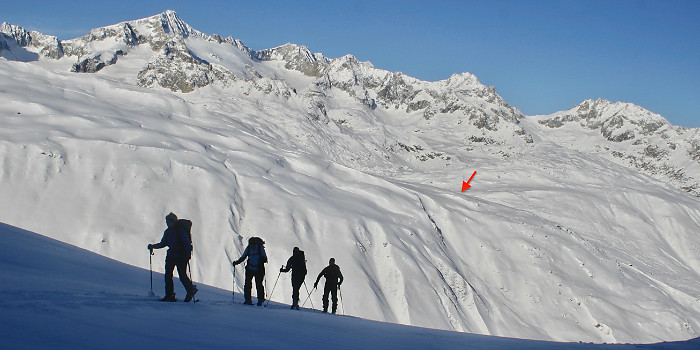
{"x":296,"y":263}
{"x":333,"y":281}
{"x":179,"y":252}
{"x":255,"y":251}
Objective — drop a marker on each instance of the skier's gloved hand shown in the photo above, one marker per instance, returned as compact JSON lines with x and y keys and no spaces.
{"x":315,"y":284}
{"x":282,"y":269}
{"x":150,"y":247}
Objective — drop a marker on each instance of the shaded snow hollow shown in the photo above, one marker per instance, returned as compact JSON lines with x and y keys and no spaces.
{"x":54,"y":295}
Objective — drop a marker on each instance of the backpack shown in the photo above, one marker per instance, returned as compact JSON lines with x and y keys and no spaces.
{"x":255,"y":257}
{"x":187,"y":226}
{"x":261,"y":243}
{"x":299,"y":262}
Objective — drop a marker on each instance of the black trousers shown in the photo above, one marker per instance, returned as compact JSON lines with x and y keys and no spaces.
{"x":297,"y":281}
{"x":248,"y":285}
{"x":171,"y":262}
{"x":332,"y":289}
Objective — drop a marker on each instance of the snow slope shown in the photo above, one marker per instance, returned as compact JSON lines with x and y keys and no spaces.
{"x":551,"y":242}
{"x":58,"y":296}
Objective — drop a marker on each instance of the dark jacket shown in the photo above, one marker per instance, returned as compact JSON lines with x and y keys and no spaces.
{"x":296,"y":263}
{"x":256,"y":257}
{"x":332,"y":274}
{"x":177,"y":241}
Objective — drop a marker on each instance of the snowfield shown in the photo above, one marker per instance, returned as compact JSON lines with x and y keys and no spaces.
{"x":58,"y":296}
{"x":557,"y":240}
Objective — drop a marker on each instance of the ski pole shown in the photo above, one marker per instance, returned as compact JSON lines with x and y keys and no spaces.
{"x":194,"y":300}
{"x":342,"y":307}
{"x":307,"y":290}
{"x":150,"y":264}
{"x":233,"y":292}
{"x":273,"y":288}
{"x":307,"y":298}
{"x":189,"y":266}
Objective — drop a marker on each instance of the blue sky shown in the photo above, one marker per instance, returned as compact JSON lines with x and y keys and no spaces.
{"x":542,"y":56}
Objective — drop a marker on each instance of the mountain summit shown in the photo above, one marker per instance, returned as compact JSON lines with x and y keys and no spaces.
{"x":632,"y":136}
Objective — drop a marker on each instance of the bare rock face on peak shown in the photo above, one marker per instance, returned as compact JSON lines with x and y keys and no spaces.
{"x":48,"y":46}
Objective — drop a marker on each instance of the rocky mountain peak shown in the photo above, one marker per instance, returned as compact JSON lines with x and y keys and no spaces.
{"x":16,"y":33}
{"x":621,"y":121}
{"x":462,"y":80}
{"x":48,"y":46}
{"x":617,"y":121}
{"x":172,"y":24}
{"x":298,"y":58}
{"x":633,"y":136}
{"x":603,"y":109}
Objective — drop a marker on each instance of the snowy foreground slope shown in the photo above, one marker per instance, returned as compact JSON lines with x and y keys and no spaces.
{"x":558,"y":239}
{"x":57,"y":296}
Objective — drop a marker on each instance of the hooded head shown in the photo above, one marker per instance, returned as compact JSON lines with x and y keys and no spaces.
{"x":255,"y":241}
{"x":331,"y":262}
{"x":170,"y":219}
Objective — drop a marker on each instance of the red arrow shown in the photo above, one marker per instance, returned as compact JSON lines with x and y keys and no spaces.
{"x":466,"y":185}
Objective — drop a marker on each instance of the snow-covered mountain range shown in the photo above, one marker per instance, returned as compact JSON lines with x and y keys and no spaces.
{"x":580,"y":225}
